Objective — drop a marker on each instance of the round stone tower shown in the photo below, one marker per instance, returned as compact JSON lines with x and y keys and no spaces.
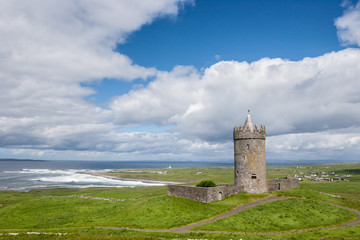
{"x":250,"y":157}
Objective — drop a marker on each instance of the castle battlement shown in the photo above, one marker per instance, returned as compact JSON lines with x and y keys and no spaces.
{"x":247,"y":133}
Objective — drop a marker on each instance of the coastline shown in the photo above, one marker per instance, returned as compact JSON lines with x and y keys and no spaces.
{"x":132,"y":179}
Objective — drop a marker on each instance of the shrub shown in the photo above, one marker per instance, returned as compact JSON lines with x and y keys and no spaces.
{"x":206,"y":183}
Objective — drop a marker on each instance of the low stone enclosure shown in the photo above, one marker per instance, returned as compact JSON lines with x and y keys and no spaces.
{"x":203,"y":194}
{"x":212,"y":194}
{"x":282,"y":184}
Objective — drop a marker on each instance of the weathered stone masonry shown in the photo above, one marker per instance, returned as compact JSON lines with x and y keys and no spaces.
{"x":250,"y":157}
{"x":203,"y":194}
{"x":249,"y":169}
{"x":282,"y":184}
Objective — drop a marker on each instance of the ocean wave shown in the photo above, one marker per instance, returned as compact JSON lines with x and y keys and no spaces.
{"x":28,"y":179}
{"x":83,"y":178}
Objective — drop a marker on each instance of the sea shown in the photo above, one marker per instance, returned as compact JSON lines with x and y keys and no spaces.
{"x":26,"y":175}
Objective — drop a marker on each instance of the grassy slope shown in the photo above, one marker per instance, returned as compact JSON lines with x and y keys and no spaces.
{"x":153,"y":212}
{"x":104,"y":192}
{"x":345,"y":193}
{"x":285,"y":215}
{"x":162,"y":212}
{"x":23,"y":210}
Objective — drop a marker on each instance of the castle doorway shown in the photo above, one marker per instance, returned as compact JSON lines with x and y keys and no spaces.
{"x":220,"y":195}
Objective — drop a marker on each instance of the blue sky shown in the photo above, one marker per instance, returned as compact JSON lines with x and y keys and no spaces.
{"x":168,"y":79}
{"x":236,"y":30}
{"x":209,"y":31}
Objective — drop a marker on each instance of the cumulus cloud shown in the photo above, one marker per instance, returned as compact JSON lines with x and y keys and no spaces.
{"x":161,"y":101}
{"x":306,"y":105}
{"x":341,"y":144}
{"x":72,"y":41}
{"x":107,"y":142}
{"x":47,"y":48}
{"x":348,"y":25}
{"x":311,"y":95}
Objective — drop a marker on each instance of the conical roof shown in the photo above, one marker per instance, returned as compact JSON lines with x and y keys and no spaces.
{"x":248,"y":123}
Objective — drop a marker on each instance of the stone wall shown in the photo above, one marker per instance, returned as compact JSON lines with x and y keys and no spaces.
{"x":282,"y":184}
{"x":203,"y":194}
{"x":212,"y":194}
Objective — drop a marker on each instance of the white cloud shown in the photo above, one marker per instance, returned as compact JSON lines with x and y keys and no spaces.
{"x":348,"y":25}
{"x":310,"y":95}
{"x":341,"y":144}
{"x":115,"y":145}
{"x":296,"y":100}
{"x":161,"y":101}
{"x":47,"y":48}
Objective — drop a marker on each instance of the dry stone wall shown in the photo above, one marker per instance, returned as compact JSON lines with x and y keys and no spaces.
{"x":282,"y":184}
{"x":203,"y":194}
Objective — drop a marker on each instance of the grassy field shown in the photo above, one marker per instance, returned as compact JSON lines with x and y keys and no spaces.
{"x":285,"y":215}
{"x":348,"y":233}
{"x":154,"y":212}
{"x":226,"y":174}
{"x":12,"y":197}
{"x":345,"y":193}
{"x":159,"y":213}
{"x":59,"y":211}
{"x":187,"y":175}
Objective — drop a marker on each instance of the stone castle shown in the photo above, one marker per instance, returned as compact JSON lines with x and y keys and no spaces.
{"x":249,"y":169}
{"x":250,"y":157}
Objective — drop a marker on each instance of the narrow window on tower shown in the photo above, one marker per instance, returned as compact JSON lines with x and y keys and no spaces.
{"x":247,"y":146}
{"x":253,"y":176}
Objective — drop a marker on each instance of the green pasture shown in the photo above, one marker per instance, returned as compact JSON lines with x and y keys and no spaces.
{"x":59,"y":211}
{"x":345,"y":193}
{"x":226,"y":174}
{"x":105,"y":192}
{"x":12,"y":197}
{"x":347,"y":233}
{"x":159,"y":212}
{"x":284,"y":215}
{"x":186,"y":175}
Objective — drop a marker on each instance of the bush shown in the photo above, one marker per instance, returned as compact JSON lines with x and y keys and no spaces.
{"x":206,"y":183}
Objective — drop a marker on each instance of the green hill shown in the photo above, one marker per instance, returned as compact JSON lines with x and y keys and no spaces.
{"x":148,"y":213}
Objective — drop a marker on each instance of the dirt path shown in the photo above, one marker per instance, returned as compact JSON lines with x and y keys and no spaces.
{"x":227,"y":214}
{"x":354,"y":222}
{"x":187,"y":228}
